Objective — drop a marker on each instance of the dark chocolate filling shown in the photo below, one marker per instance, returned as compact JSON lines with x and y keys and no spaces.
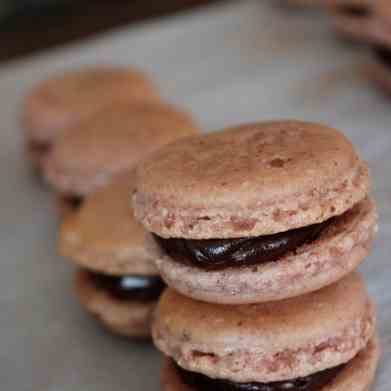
{"x":135,"y":288}
{"x":313,"y":382}
{"x":354,"y":11}
{"x":73,"y":201}
{"x":214,"y":254}
{"x":383,"y":54}
{"x":39,"y":147}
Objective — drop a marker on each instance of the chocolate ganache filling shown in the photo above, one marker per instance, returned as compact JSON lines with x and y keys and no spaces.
{"x":73,"y":201}
{"x":313,"y":382}
{"x":383,"y":54}
{"x":215,"y":254}
{"x":40,"y":148}
{"x":135,"y":288}
{"x":355,"y":11}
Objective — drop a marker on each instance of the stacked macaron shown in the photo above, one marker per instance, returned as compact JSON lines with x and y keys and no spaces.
{"x":364,"y":21}
{"x":380,"y":71}
{"x":86,"y":131}
{"x":367,"y":22}
{"x":84,"y":127}
{"x":353,"y":19}
{"x":113,"y":141}
{"x":257,"y":230}
{"x":63,"y":101}
{"x":370,"y":22}
{"x":116,"y":279}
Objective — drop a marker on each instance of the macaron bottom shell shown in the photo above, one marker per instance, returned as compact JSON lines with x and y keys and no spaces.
{"x":334,"y":254}
{"x":357,"y":375}
{"x":124,"y":317}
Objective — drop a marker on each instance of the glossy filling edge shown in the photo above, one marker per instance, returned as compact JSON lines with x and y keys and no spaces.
{"x":128,"y":287}
{"x":354,"y":11}
{"x":39,"y":148}
{"x":383,"y":54}
{"x":218,"y":254}
{"x":72,"y":202}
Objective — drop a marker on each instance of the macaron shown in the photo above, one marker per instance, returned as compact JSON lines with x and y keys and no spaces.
{"x":380,"y":69}
{"x":382,"y":9}
{"x":256,"y":213}
{"x":322,"y":341}
{"x":116,"y":280}
{"x":111,"y":142}
{"x":353,"y":19}
{"x":65,"y":99}
{"x":375,"y":25}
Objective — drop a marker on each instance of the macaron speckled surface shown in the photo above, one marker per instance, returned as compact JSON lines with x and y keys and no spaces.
{"x":117,"y":281}
{"x":255,"y":179}
{"x":256,"y":213}
{"x":268,"y":342}
{"x":356,"y":376}
{"x":66,"y":99}
{"x":104,"y":236}
{"x":113,"y":141}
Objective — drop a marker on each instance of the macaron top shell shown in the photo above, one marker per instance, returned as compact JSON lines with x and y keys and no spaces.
{"x":103,"y":235}
{"x":270,"y":341}
{"x":65,"y":99}
{"x":111,"y":142}
{"x":252,"y":180}
{"x":382,"y":9}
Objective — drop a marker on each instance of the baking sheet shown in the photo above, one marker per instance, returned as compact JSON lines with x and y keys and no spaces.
{"x":237,"y":62}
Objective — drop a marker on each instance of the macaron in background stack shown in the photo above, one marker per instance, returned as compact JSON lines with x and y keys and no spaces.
{"x":366,"y":22}
{"x":259,"y":229}
{"x":380,"y":71}
{"x":64,"y":100}
{"x":353,"y":19}
{"x":113,"y":141}
{"x":116,"y":279}
{"x":86,"y":130}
